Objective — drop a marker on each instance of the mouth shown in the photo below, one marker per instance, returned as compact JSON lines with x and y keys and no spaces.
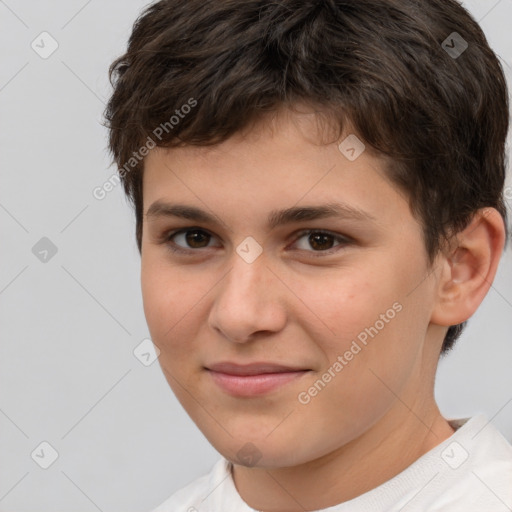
{"x":253,"y":379}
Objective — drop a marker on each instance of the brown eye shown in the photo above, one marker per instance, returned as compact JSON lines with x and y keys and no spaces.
{"x":321,"y":242}
{"x":188,"y":240}
{"x":196,"y":238}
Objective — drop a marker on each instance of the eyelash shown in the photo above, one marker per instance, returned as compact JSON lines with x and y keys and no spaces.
{"x":343,"y":241}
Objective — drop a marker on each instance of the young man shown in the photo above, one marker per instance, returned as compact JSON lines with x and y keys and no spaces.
{"x":318,"y":189}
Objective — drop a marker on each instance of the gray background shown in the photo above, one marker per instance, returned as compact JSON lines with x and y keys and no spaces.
{"x":70,"y":324}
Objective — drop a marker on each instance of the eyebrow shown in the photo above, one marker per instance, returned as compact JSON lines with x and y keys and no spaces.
{"x":275,"y":217}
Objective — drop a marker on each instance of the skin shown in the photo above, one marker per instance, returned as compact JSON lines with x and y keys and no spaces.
{"x":378,"y":414}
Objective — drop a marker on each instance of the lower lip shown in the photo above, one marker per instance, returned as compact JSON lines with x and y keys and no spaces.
{"x":253,"y":385}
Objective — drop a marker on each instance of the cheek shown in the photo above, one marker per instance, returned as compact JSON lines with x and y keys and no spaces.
{"x":156,"y":296}
{"x":170,"y":307}
{"x":369,"y":317}
{"x":167,"y":298}
{"x":360,"y":381}
{"x":341,"y":304}
{"x":379,"y":339}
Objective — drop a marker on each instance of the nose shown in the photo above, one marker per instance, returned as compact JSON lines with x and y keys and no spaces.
{"x":249,"y":301}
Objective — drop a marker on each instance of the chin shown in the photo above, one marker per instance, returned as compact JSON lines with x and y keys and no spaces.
{"x":264,"y":451}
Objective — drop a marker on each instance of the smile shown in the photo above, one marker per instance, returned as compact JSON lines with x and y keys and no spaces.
{"x":252,"y":380}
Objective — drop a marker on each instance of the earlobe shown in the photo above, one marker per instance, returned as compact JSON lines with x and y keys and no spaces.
{"x":469,"y":268}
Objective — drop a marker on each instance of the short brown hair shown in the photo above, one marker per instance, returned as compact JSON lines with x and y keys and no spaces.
{"x":383,"y":65}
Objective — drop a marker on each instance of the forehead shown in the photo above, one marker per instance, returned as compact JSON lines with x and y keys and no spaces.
{"x":301,"y":127}
{"x":285,"y":160}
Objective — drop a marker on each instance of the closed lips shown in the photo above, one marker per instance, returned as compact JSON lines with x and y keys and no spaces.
{"x":252,"y":369}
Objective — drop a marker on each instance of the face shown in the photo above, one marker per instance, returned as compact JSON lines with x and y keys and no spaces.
{"x":281,"y":322}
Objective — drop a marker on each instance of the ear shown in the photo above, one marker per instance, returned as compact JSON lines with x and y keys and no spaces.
{"x":468,"y":268}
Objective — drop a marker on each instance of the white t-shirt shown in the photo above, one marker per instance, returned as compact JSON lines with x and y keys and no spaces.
{"x":469,"y":472}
